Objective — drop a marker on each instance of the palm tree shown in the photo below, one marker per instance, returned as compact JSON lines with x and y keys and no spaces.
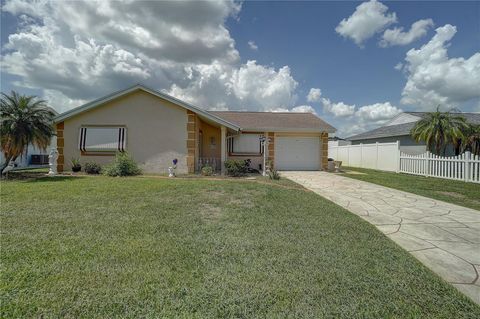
{"x":24,"y":120}
{"x":471,"y":141}
{"x":438,"y":129}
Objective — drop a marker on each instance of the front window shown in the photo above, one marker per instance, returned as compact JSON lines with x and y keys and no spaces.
{"x":246,"y":144}
{"x":102,"y":139}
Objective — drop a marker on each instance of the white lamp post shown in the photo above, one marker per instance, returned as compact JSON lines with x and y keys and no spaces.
{"x":264,"y":143}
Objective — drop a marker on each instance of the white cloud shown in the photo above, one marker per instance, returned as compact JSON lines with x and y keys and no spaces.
{"x":297,"y":109}
{"x":314,"y":95}
{"x":397,"y":36}
{"x":76,"y":51}
{"x":304,"y":109}
{"x":249,"y":87}
{"x":368,"y":19}
{"x":377,"y":112}
{"x":356,"y":120}
{"x":252,"y":45}
{"x":398,"y":66}
{"x":433,"y":78}
{"x":339,"y":109}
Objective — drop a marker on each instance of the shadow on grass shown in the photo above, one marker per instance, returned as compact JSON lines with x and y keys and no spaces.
{"x":35,"y":177}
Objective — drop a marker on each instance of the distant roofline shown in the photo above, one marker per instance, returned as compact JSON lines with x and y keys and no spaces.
{"x":271,"y":112}
{"x":418,"y":112}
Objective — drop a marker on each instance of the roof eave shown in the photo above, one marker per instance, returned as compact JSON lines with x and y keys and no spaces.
{"x":290,"y":129}
{"x":110,"y":97}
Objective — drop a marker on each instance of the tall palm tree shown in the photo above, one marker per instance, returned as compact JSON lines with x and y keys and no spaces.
{"x":439,"y":129}
{"x":24,"y":120}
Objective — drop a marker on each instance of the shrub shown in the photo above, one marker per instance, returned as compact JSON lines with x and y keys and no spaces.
{"x":92,"y":168}
{"x":122,"y":165}
{"x":236,"y":168}
{"x":207,"y":170}
{"x":273,"y":174}
{"x":76,"y":166}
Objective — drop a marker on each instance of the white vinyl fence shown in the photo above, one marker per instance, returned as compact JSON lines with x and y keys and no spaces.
{"x":464,"y":167}
{"x":381,"y":156}
{"x":388,"y":157}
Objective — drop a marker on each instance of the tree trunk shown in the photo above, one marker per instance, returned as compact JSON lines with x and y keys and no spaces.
{"x":7,"y":161}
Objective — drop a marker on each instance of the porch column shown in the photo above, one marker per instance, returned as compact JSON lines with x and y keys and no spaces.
{"x":223,"y":148}
{"x":324,"y":151}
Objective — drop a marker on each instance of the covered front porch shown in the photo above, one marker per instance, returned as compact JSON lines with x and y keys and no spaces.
{"x":212,"y":144}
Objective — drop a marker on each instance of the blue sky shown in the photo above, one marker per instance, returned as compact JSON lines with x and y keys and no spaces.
{"x":200,"y":52}
{"x":302,"y":35}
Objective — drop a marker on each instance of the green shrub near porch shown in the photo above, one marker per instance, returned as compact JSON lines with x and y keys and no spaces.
{"x":236,"y":168}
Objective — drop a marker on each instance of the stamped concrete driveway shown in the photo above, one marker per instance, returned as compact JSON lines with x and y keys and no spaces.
{"x":443,"y":236}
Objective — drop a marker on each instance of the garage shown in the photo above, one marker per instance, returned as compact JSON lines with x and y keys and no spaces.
{"x":297,"y":153}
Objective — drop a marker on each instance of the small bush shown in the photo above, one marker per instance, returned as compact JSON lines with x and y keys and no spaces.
{"x":92,"y":168}
{"x":236,"y":168}
{"x":273,"y":174}
{"x":122,"y":165}
{"x":76,"y":166}
{"x":207,"y":170}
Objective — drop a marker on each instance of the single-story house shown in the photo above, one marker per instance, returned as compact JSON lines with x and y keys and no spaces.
{"x":398,"y":129}
{"x":156,"y":128}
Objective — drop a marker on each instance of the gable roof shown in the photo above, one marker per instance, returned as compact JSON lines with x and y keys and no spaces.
{"x":405,"y":128}
{"x":276,"y":121}
{"x":385,"y":131}
{"x":115,"y":95}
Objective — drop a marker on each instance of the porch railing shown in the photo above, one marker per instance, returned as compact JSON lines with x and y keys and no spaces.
{"x":214,"y":162}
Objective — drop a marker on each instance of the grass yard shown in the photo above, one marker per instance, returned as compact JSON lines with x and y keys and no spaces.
{"x":455,"y":192}
{"x":154,"y":247}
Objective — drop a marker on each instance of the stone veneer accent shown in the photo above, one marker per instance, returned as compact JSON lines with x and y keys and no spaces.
{"x":60,"y":145}
{"x":191,"y":141}
{"x":271,"y":147}
{"x":324,"y":151}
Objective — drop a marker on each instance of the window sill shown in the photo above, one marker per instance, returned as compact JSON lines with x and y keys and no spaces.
{"x":245,"y":154}
{"x":82,"y":153}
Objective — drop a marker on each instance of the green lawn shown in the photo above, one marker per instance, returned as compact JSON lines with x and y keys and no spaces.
{"x":155,"y":247}
{"x":455,"y":192}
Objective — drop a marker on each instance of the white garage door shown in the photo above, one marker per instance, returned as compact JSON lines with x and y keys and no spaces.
{"x":297,"y":153}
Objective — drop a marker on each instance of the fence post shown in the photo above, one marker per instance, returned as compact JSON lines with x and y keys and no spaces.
{"x":466,"y":166}
{"x":398,"y":156}
{"x":348,"y":156}
{"x":376,"y":158}
{"x":361,"y":155}
{"x":427,"y":163}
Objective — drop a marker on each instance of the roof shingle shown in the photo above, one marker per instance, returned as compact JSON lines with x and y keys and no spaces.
{"x":275,"y":121}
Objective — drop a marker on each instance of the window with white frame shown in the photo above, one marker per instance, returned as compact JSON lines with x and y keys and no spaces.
{"x":246,"y":144}
{"x":102,"y":139}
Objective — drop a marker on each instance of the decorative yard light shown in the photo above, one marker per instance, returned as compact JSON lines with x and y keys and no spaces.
{"x":264,"y":144}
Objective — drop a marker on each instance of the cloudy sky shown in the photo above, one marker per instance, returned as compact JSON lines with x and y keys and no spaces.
{"x":355,"y":64}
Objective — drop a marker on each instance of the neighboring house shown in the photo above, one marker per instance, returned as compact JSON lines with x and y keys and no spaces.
{"x":33,"y":156}
{"x":156,"y":128}
{"x":337,"y":141}
{"x":398,"y":129}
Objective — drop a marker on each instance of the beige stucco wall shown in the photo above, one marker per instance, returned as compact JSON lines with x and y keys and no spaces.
{"x":208,"y":132}
{"x":156,"y":131}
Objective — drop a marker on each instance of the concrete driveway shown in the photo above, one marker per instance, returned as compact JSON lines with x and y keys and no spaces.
{"x":443,"y":236}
